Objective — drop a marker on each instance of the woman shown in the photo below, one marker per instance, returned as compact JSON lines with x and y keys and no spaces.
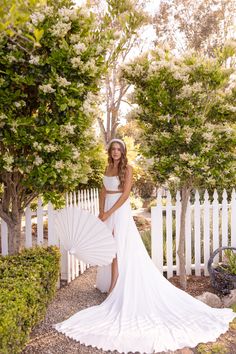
{"x":143,"y":312}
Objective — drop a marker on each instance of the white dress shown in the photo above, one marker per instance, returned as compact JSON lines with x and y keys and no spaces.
{"x":144,"y":313}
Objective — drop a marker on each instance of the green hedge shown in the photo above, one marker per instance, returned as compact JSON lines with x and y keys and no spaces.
{"x":27,"y":284}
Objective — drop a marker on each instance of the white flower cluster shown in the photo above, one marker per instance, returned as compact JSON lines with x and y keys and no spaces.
{"x":60,"y":29}
{"x":37,"y":17}
{"x":37,"y":146}
{"x":180,"y":76}
{"x":90,"y":66}
{"x":62,"y":82}
{"x":76,"y":62}
{"x":74,"y":38}
{"x":189,"y":90}
{"x":2,"y":118}
{"x":188,"y":132}
{"x":208,"y":135}
{"x":8,"y":161}
{"x":67,"y":14}
{"x":50,"y":148}
{"x":20,"y":104}
{"x":79,"y":48}
{"x":75,"y":153}
{"x":59,"y":164}
{"x":89,"y":105}
{"x":38,"y":160}
{"x":34,"y":60}
{"x":47,"y":88}
{"x":230,"y":108}
{"x":11,"y":58}
{"x":67,"y":129}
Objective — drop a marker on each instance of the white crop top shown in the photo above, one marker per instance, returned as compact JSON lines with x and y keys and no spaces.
{"x":111,"y":183}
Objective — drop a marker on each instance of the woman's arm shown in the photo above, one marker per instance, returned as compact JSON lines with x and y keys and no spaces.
{"x":124,"y":196}
{"x":102,"y":196}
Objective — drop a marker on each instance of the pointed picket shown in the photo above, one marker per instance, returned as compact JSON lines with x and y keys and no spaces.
{"x":157,"y":233}
{"x":206,"y":230}
{"x":28,"y":227}
{"x":233,"y":218}
{"x":188,"y":240}
{"x":177,"y":227}
{"x":4,"y":238}
{"x":224,"y":219}
{"x":197,"y":234}
{"x":40,"y":223}
{"x":169,"y":236}
{"x":215,"y":223}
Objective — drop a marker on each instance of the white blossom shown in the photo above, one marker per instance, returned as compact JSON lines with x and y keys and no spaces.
{"x":48,"y":10}
{"x":89,"y":106}
{"x":180,"y":76}
{"x":60,"y":29}
{"x":11,"y":58}
{"x":90,"y":65}
{"x":74,"y":38}
{"x":189,"y":90}
{"x":79,"y":48}
{"x":67,"y":14}
{"x":75,"y":153}
{"x":20,"y":104}
{"x":37,"y":146}
{"x":34,"y":60}
{"x":62,"y":82}
{"x":76,"y":62}
{"x":67,"y":129}
{"x":8,"y":159}
{"x":208,"y":136}
{"x":50,"y":148}
{"x":38,"y":160}
{"x":59,"y":164}
{"x":47,"y":88}
{"x":37,"y":17}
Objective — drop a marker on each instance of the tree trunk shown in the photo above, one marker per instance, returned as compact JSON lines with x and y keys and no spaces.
{"x":15,"y":243}
{"x":185,"y":194}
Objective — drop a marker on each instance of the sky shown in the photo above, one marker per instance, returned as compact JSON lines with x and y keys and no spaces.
{"x":148,"y":36}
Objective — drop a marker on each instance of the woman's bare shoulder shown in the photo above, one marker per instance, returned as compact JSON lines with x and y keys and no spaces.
{"x":129,"y":169}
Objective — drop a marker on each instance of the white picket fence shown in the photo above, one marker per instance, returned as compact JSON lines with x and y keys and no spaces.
{"x":70,"y":266}
{"x":209,"y":225}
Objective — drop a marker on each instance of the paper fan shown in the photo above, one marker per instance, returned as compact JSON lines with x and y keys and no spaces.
{"x":85,"y":236}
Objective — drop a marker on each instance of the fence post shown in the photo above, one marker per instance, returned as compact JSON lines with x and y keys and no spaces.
{"x":188,"y":239}
{"x":215,"y":223}
{"x":28,"y":227}
{"x":157,"y":233}
{"x":206,"y":230}
{"x":52,"y":240}
{"x":197,"y":235}
{"x":177,"y":228}
{"x":169,"y":236}
{"x":233,"y":218}
{"x":40,"y":223}
{"x":224,"y":219}
{"x":4,"y":237}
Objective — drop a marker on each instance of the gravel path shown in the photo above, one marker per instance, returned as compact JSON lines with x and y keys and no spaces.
{"x":76,"y":296}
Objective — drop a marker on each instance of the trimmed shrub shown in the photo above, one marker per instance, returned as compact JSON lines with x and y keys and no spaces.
{"x":28,"y":282}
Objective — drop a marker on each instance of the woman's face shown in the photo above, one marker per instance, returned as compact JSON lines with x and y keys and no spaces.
{"x":116,"y":151}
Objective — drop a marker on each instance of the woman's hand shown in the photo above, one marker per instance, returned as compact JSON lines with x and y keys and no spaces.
{"x":104,"y":216}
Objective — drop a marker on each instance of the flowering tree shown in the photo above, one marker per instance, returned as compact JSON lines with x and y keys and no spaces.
{"x":50,"y":66}
{"x":186,"y":109}
{"x":125,"y":19}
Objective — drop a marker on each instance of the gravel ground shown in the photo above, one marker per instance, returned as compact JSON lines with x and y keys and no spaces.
{"x":76,"y":296}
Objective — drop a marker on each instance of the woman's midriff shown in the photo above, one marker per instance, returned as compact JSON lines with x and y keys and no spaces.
{"x":113,"y":192}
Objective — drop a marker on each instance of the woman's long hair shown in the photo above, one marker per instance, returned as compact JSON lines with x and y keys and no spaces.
{"x":122,"y":163}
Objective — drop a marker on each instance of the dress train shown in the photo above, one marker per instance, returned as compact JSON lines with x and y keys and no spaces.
{"x":144,"y":313}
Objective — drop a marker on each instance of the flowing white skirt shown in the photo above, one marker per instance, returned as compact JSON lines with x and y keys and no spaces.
{"x":144,"y":313}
